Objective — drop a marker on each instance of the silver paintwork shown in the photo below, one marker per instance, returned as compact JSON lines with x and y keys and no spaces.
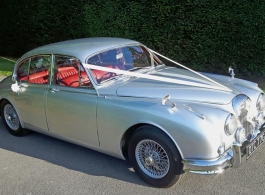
{"x":99,"y":117}
{"x":152,"y":158}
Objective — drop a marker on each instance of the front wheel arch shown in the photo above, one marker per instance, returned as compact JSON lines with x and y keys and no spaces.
{"x":127,"y":135}
{"x":154,"y":157}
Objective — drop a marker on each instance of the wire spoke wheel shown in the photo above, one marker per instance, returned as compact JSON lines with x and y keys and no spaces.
{"x":11,"y":117}
{"x":152,"y":158}
{"x":11,"y":120}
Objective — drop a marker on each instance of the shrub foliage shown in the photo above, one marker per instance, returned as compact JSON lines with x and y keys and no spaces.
{"x":205,"y":35}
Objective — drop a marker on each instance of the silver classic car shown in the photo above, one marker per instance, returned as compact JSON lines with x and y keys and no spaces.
{"x":116,"y":96}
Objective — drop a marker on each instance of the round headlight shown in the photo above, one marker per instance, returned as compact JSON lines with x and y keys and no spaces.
{"x":230,"y":124}
{"x":241,"y":135}
{"x":261,"y":102}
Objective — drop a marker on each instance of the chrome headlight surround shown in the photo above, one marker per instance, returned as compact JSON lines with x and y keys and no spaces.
{"x":239,"y":103}
{"x":261,"y":102}
{"x":230,"y":126}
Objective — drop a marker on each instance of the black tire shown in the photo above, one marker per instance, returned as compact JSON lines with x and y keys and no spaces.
{"x":155,"y":157}
{"x":11,"y":119}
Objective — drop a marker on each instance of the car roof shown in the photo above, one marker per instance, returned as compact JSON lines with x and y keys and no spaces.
{"x":81,"y":48}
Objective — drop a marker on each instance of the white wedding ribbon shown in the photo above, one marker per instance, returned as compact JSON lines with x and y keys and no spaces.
{"x":207,"y":78}
{"x":157,"y":78}
{"x":15,"y":87}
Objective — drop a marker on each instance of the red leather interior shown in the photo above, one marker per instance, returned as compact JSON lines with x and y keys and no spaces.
{"x":39,"y":77}
{"x":73,"y":80}
{"x":64,"y":72}
{"x":24,"y":78}
{"x":68,"y":76}
{"x":97,"y":74}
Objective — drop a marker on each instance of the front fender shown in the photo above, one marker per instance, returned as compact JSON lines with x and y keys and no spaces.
{"x":195,"y":137}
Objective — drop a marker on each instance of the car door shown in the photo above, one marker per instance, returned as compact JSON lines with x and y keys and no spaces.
{"x":71,"y":102}
{"x":32,"y":75}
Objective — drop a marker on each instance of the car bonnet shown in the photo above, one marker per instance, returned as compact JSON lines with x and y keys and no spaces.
{"x":141,"y":87}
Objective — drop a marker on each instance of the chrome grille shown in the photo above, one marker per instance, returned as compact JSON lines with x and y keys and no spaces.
{"x":239,"y":104}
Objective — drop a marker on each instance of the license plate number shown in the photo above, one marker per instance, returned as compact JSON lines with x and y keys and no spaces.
{"x":251,"y":147}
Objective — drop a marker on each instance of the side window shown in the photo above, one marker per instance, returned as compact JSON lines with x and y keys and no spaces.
{"x":70,"y":73}
{"x":39,"y":69}
{"x":22,"y":71}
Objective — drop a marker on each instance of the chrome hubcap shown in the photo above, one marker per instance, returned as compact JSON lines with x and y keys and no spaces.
{"x":11,"y":117}
{"x":152,"y":158}
{"x":149,"y":161}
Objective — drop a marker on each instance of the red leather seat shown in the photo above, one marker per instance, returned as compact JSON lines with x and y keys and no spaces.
{"x":64,"y":72}
{"x":39,"y":77}
{"x":68,"y":76}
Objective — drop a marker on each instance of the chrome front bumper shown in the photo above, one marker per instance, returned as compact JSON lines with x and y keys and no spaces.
{"x":231,"y":158}
{"x":216,"y":165}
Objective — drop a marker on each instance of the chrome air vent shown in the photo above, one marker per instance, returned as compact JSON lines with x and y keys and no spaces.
{"x":240,"y":105}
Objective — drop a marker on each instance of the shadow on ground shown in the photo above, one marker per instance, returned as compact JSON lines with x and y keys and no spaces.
{"x":69,"y":156}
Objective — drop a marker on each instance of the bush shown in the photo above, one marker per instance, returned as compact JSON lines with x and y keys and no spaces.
{"x":205,"y":35}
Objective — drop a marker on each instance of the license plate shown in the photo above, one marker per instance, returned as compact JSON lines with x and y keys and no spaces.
{"x":251,"y":147}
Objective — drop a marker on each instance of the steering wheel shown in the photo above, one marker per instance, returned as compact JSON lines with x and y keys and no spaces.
{"x":104,"y":76}
{"x":72,"y":84}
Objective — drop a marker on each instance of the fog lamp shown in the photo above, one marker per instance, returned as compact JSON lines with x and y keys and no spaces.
{"x":240,"y":135}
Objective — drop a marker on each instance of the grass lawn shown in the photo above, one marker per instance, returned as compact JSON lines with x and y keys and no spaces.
{"x":6,"y":66}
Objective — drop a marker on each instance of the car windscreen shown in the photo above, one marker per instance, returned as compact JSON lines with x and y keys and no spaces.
{"x":129,"y":58}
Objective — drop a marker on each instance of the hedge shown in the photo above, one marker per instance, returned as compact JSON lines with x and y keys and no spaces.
{"x":205,"y":35}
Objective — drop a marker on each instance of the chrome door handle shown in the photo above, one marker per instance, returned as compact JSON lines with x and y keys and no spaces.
{"x":53,"y":90}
